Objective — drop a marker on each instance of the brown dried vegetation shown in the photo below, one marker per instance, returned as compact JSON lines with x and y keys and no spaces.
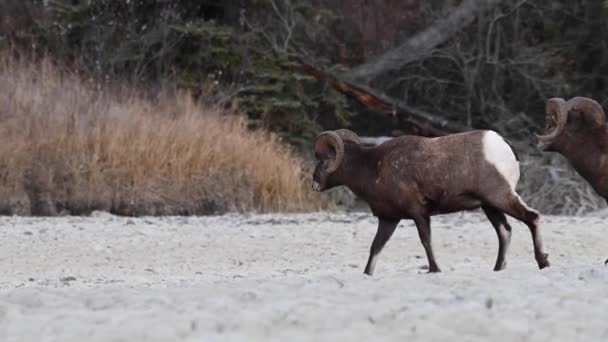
{"x":69,"y":147}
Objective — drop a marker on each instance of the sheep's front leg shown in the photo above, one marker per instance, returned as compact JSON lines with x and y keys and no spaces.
{"x":424,"y":231}
{"x":385,"y":231}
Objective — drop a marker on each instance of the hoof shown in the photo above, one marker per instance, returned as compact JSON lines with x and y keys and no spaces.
{"x":434,"y":270}
{"x":606,"y":262}
{"x":543,"y":262}
{"x":500,"y":267}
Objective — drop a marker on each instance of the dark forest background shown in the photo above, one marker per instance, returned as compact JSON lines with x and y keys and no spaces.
{"x":378,"y":67}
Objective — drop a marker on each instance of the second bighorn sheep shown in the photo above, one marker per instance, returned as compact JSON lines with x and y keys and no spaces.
{"x":577,"y":129}
{"x":412,"y":177}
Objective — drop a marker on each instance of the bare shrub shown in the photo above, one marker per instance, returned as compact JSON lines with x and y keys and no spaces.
{"x":68,"y":147}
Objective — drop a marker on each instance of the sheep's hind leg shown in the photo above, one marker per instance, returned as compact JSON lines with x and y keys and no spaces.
{"x":513,"y":206}
{"x":384,"y":233}
{"x":503,"y":230}
{"x":423,"y":224}
{"x":606,"y":262}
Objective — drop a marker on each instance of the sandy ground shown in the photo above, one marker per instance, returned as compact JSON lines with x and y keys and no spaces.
{"x":296,"y":278}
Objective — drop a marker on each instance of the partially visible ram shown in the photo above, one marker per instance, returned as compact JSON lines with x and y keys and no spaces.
{"x":412,"y":177}
{"x":577,"y":129}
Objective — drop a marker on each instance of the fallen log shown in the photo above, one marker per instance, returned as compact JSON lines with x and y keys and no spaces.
{"x":418,"y":121}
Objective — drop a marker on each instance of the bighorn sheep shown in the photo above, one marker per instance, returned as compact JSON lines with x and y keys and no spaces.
{"x":577,"y":129}
{"x":412,"y":177}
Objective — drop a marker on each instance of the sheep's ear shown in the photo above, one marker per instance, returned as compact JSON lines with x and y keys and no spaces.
{"x":348,"y":135}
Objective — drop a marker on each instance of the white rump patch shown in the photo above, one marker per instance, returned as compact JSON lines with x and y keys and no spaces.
{"x":498,"y":153}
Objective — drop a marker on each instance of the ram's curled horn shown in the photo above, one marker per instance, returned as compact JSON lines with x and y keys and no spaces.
{"x":327,"y":141}
{"x":348,"y":135}
{"x":589,"y":107}
{"x":557,"y":108}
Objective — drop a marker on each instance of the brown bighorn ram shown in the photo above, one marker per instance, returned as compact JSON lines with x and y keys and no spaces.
{"x":577,"y":129}
{"x":412,"y":177}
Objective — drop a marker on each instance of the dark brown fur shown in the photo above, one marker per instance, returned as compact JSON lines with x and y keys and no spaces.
{"x":414,"y":178}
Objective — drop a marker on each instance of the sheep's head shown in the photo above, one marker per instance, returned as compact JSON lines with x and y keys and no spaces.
{"x":562,"y":119}
{"x":329,"y":152}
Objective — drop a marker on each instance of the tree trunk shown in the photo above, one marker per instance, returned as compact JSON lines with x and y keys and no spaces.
{"x":422,"y":43}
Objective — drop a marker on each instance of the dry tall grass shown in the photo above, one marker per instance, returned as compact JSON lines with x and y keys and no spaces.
{"x":67,"y":147}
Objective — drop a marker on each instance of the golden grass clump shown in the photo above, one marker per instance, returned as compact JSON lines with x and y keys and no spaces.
{"x":66,"y":147}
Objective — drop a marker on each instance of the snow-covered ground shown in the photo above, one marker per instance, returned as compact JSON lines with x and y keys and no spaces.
{"x":296,"y":278}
